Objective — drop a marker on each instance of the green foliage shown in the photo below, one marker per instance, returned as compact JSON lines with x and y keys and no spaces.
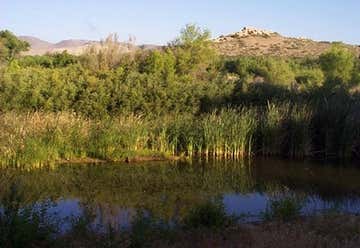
{"x":41,"y":139}
{"x":160,"y":64}
{"x":229,"y":133}
{"x":284,"y":209}
{"x":209,"y":215}
{"x":338,"y":65}
{"x":278,"y":71}
{"x":310,"y":78}
{"x":11,"y":46}
{"x":57,"y":60}
{"x":193,"y":50}
{"x":274,"y":71}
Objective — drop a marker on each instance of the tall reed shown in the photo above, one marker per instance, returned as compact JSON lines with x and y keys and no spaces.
{"x":228,"y":133}
{"x":331,"y":129}
{"x":285,"y":130}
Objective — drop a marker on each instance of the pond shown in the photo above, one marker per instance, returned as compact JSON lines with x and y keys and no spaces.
{"x":112,"y":194}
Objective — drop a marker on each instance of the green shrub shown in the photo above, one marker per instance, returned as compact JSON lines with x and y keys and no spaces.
{"x":285,"y":209}
{"x":209,"y":215}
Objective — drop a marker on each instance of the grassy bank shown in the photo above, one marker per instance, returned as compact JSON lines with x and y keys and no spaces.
{"x":330,"y":130}
{"x":41,"y":138}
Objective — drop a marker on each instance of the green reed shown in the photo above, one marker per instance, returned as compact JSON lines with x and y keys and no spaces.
{"x":325,"y":129}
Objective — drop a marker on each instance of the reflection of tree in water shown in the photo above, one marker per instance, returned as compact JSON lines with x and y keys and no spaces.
{"x":21,"y":224}
{"x":111,"y":194}
{"x":113,"y":216}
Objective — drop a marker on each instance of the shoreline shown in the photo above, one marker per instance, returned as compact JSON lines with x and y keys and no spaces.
{"x":332,"y":230}
{"x":128,"y":160}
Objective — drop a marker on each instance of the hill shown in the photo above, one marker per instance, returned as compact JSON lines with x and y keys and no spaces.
{"x":252,"y":41}
{"x":73,"y":46}
{"x":36,"y":43}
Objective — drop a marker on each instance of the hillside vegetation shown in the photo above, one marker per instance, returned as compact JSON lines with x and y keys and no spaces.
{"x":185,"y":99}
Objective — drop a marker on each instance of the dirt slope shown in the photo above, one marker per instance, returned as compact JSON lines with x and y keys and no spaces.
{"x":252,"y":41}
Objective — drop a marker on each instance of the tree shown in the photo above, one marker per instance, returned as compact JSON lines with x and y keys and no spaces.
{"x":193,"y":50}
{"x":338,"y":65}
{"x":278,"y":71}
{"x":11,"y":46}
{"x":310,"y":78}
{"x":160,"y":63}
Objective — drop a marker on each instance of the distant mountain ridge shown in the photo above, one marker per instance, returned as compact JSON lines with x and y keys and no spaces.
{"x":73,"y":46}
{"x":35,"y":43}
{"x":73,"y":43}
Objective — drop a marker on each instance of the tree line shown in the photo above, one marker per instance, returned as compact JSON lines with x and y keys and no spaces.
{"x":185,"y":76}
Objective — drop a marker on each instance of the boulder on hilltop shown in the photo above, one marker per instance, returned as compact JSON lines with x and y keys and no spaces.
{"x":246,"y":32}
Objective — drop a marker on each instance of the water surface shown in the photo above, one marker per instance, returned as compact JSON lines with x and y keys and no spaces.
{"x":112,"y":194}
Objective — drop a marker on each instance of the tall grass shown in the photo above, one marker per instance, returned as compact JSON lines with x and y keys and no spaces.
{"x":228,"y":133}
{"x":331,"y":129}
{"x":41,"y":138}
{"x":285,"y":130}
{"x":336,"y":126}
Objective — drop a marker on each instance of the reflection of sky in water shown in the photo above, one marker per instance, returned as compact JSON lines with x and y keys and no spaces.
{"x":69,"y":210}
{"x":314,"y":204}
{"x":251,"y":205}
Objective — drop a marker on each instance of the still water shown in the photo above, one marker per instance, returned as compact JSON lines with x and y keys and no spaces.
{"x":112,"y":194}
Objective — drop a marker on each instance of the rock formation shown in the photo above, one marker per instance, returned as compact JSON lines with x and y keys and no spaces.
{"x":246,"y":32}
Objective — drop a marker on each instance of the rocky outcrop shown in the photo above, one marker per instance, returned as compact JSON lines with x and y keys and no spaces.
{"x":246,"y":32}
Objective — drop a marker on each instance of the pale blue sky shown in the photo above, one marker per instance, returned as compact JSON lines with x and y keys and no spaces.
{"x":159,"y":21}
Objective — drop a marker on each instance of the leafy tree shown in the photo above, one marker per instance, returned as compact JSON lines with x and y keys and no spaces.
{"x":278,"y":71}
{"x":193,"y":50}
{"x":160,"y":63}
{"x":338,"y":65}
{"x":11,"y":46}
{"x":272,"y":70}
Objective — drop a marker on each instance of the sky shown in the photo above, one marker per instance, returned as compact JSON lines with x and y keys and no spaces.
{"x":160,"y":21}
